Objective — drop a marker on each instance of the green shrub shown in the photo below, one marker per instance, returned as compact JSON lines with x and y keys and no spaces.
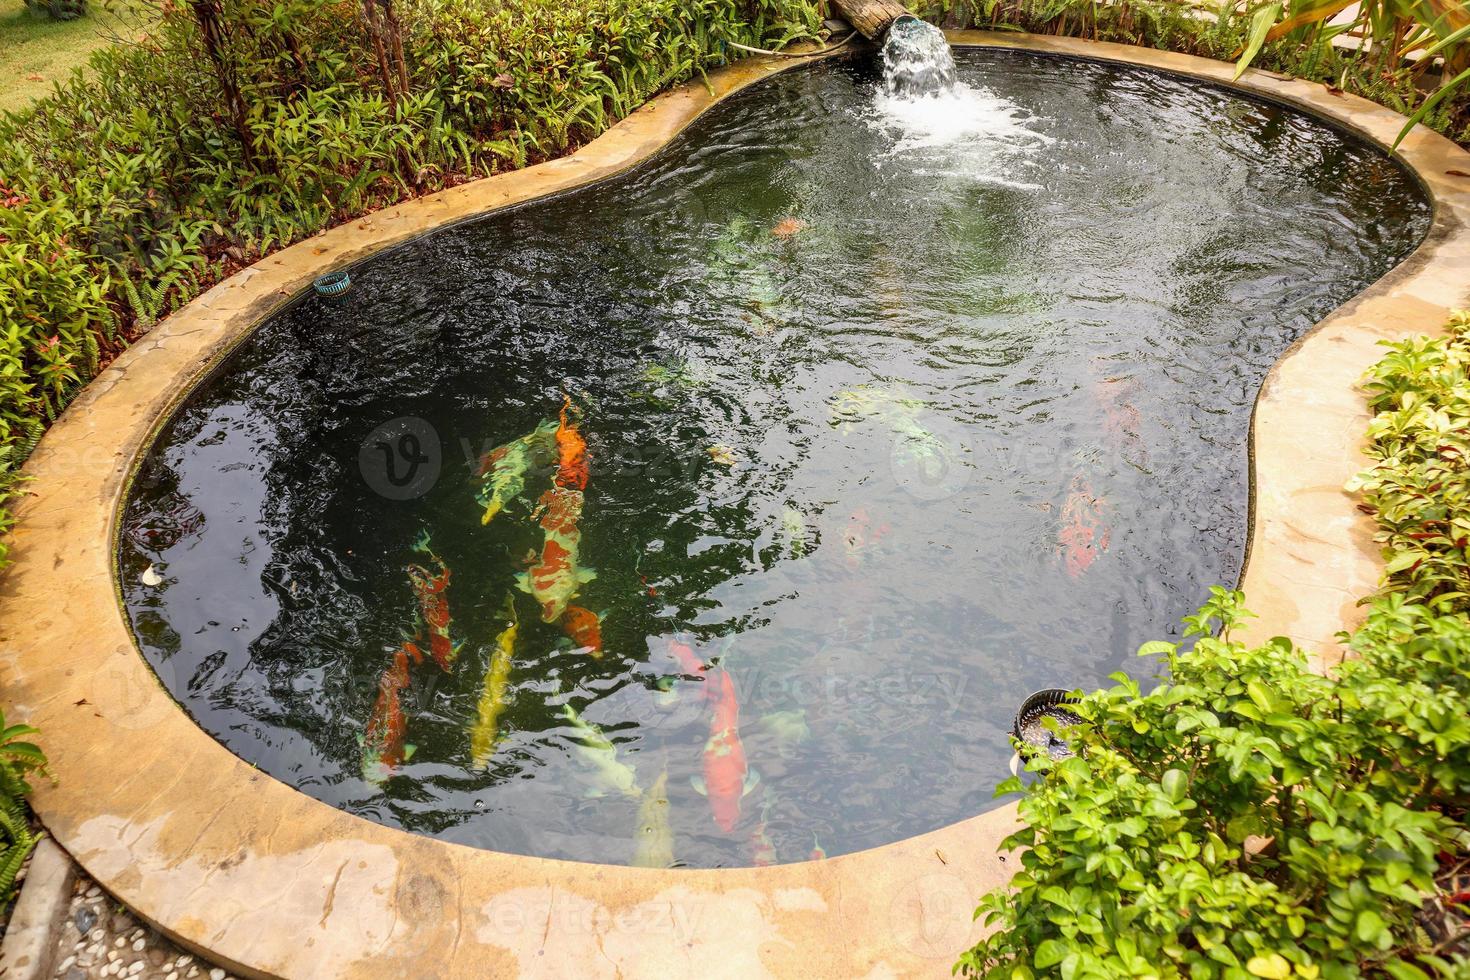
{"x":18,"y":759}
{"x":1252,"y":817}
{"x":1418,"y":487}
{"x":1138,"y":861}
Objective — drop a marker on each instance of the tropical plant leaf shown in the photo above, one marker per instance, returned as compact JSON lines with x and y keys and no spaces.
{"x":1261,"y":22}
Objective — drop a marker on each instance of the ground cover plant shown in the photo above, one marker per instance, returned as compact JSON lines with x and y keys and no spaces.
{"x":1252,"y":816}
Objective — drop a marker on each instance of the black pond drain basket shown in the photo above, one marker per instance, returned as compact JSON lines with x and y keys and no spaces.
{"x":1033,"y":736}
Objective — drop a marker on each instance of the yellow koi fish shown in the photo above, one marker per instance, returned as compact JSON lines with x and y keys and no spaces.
{"x":503,"y":470}
{"x":485,"y":732}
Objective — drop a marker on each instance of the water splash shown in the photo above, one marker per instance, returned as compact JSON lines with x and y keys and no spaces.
{"x":940,"y":126}
{"x":916,"y":59}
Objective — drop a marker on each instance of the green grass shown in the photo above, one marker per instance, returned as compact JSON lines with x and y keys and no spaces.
{"x":36,"y":51}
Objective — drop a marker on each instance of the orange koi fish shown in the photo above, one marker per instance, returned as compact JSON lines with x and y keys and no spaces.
{"x":1121,"y":420}
{"x":571,"y":452}
{"x":382,"y":743}
{"x":690,"y":664}
{"x":585,"y":629}
{"x":1083,"y":536}
{"x":727,"y":778}
{"x":788,"y":227}
{"x":556,"y":579}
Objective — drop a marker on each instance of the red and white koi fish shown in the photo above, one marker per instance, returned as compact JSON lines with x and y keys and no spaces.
{"x":727,"y":778}
{"x":684,"y":653}
{"x":818,"y":852}
{"x":1083,"y":536}
{"x":585,"y":629}
{"x":689,"y":666}
{"x":556,"y":579}
{"x":429,"y":588}
{"x":382,"y":742}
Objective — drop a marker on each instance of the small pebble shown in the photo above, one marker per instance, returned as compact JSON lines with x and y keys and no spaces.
{"x":66,"y":964}
{"x":85,"y":919}
{"x":75,"y":973}
{"x":156,"y":956}
{"x":184,"y":960}
{"x":96,"y":935}
{"x":193,"y":972}
{"x":136,"y":968}
{"x":119,"y":942}
{"x":216,"y":974}
{"x":172,"y":976}
{"x":93,"y":892}
{"x":138,"y":945}
{"x":112,"y":955}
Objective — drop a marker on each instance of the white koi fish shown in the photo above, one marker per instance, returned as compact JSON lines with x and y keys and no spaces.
{"x":655,"y":848}
{"x":601,"y":756}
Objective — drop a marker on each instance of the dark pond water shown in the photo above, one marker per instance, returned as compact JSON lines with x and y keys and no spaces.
{"x":894,"y":412}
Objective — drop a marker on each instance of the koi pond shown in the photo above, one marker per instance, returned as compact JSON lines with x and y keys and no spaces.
{"x":723,"y":513}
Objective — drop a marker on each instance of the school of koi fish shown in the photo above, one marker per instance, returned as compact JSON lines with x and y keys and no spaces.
{"x":555,"y":579}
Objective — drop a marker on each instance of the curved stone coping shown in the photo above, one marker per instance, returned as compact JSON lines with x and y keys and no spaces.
{"x":271,"y":882}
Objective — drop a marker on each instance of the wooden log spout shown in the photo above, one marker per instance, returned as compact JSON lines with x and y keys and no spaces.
{"x":870,"y":17}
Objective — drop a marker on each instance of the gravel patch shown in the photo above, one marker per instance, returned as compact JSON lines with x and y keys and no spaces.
{"x":101,"y":939}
